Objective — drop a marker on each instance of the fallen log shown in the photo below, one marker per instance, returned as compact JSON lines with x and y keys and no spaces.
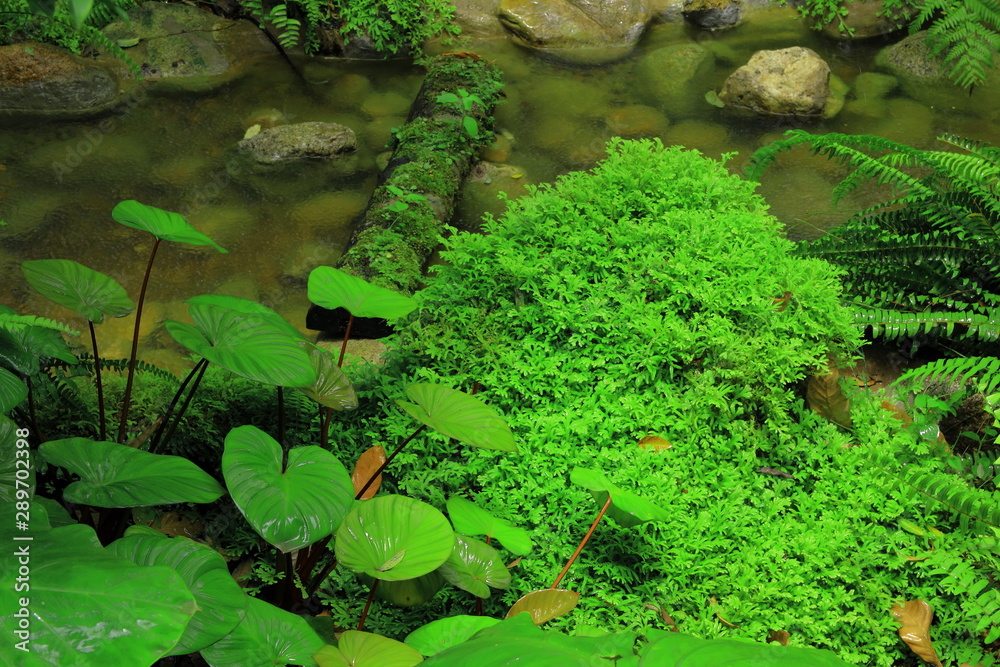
{"x":450,"y":121}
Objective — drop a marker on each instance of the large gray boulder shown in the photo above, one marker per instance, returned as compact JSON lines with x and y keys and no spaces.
{"x":300,"y":140}
{"x":589,"y":30}
{"x":42,"y":80}
{"x":787,"y":82}
{"x":186,"y":48}
{"x":713,"y":14}
{"x":479,"y":18}
{"x":672,"y":78}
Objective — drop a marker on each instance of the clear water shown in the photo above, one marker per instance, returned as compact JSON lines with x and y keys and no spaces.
{"x":59,"y":181}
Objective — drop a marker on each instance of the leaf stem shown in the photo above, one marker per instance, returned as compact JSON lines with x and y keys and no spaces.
{"x":368,"y":604}
{"x":187,"y":400}
{"x":100,"y":385}
{"x":583,"y":542}
{"x":135,"y":345}
{"x":347,"y":335}
{"x":173,"y":403}
{"x":371,"y":480}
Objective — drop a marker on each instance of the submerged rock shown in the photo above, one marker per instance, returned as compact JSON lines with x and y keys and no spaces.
{"x":865,"y":19}
{"x":789,"y":82}
{"x":597,"y":30}
{"x":300,"y":140}
{"x":42,"y":80}
{"x":668,"y":76}
{"x":185,"y":47}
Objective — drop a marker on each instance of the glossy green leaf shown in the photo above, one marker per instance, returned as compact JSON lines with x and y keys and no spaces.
{"x":22,"y":347}
{"x":469,"y":519}
{"x":364,"y":649}
{"x":517,"y":642}
{"x":87,"y":606}
{"x":444,"y":633}
{"x":267,"y":636}
{"x":17,"y":470}
{"x":673,"y":649}
{"x":80,"y":10}
{"x":12,"y":391}
{"x":247,"y":344}
{"x":376,"y":531}
{"x":290,"y":508}
{"x":544,"y":605}
{"x":475,"y":567}
{"x":459,"y":416}
{"x":221,"y":602}
{"x":79,"y":288}
{"x":332,"y":288}
{"x":114,"y":475}
{"x":332,"y":388}
{"x":242,"y":305}
{"x":407,"y":592}
{"x":161,"y":224}
{"x":627,"y":509}
{"x":56,"y":514}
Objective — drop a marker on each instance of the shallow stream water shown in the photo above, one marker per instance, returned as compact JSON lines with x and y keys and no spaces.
{"x":59,"y":181}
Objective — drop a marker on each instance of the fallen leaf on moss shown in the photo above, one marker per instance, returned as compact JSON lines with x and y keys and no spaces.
{"x":915,"y":617}
{"x":780,"y":636}
{"x":655,"y":443}
{"x":824,"y":395}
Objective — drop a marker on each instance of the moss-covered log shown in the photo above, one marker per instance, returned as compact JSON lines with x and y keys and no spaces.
{"x":450,"y":120}
{"x":432,"y":155}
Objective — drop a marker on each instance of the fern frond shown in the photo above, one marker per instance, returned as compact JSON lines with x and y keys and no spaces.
{"x":893,"y":324}
{"x":14,"y":322}
{"x":955,"y":494}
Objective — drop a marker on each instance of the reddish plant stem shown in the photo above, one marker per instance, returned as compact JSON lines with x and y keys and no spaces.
{"x":100,"y":385}
{"x":343,"y":346}
{"x":385,"y":464}
{"x":368,"y":604}
{"x":583,"y":542}
{"x":122,"y":427}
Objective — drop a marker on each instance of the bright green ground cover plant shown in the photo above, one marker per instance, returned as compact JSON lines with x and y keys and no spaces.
{"x":662,"y":300}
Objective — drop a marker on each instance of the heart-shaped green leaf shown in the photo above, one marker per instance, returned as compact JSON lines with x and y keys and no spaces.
{"x":16,"y":469}
{"x":475,"y":567}
{"x":114,"y":475}
{"x":247,"y":344}
{"x":242,"y":305}
{"x":331,"y":389}
{"x":668,"y":649}
{"x":627,"y":509}
{"x":12,"y":391}
{"x":290,"y":508}
{"x":81,"y":289}
{"x":84,"y":596}
{"x":376,"y":531}
{"x":221,"y":602}
{"x":332,"y":288}
{"x":267,"y":636}
{"x":161,"y":224}
{"x":470,"y":519}
{"x":444,"y":633}
{"x":546,"y":604}
{"x":459,"y":416}
{"x":364,"y":649}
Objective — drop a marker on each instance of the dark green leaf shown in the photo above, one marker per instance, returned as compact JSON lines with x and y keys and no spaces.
{"x":241,"y":305}
{"x":221,"y":602}
{"x":12,"y":391}
{"x":332,"y":388}
{"x":267,"y":636}
{"x":673,"y":649}
{"x":114,"y":475}
{"x":475,"y":567}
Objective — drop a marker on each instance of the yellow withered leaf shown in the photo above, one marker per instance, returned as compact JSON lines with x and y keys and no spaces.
{"x":915,"y":617}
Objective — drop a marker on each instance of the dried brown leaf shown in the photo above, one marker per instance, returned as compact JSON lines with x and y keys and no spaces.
{"x":780,"y":636}
{"x":367,"y":464}
{"x":655,"y":443}
{"x":915,"y":617}
{"x":824,"y":395}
